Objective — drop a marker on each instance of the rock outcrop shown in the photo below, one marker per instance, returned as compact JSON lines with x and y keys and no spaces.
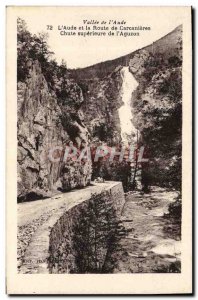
{"x":102,"y":101}
{"x":57,"y":106}
{"x":44,"y":124}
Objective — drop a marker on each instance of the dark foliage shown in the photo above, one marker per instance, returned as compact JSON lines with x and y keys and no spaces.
{"x":96,"y":233}
{"x":175,"y":209}
{"x":35,"y":47}
{"x":158,"y":116}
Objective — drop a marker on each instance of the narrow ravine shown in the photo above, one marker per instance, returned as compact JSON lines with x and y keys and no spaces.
{"x":125,"y":111}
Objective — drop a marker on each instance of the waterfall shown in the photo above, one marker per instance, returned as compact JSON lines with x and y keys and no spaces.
{"x":129,"y":133}
{"x":125,"y":111}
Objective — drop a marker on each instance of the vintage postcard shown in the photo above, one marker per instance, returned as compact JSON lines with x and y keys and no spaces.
{"x":99,"y":150}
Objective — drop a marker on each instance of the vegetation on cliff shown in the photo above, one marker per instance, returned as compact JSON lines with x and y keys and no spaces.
{"x":49,"y":115}
{"x":84,"y":103}
{"x":157,"y":109}
{"x":157,"y":104}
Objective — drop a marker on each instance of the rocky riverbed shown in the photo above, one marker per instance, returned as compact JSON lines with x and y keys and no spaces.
{"x":153,"y":241}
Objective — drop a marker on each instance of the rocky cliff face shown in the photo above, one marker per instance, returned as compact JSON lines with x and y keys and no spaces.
{"x":102,"y":101}
{"x":56,"y":106}
{"x":44,"y":123}
{"x":156,"y":103}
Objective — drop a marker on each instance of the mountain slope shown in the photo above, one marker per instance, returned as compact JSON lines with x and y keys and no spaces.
{"x":165,"y":45}
{"x":156,"y":103}
{"x":57,"y":105}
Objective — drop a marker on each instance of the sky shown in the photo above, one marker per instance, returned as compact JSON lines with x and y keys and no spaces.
{"x":80,"y":52}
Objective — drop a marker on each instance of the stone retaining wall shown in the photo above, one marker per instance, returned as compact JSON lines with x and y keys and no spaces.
{"x":76,"y":236}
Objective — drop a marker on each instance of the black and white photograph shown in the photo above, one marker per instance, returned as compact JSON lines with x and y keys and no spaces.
{"x":102,"y":130}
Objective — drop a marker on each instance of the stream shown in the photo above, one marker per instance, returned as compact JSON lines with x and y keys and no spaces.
{"x":153,"y":241}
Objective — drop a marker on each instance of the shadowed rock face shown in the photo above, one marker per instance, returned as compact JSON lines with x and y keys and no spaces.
{"x":102,"y":100}
{"x":43,"y":124}
{"x":52,"y":117}
{"x":84,"y":110}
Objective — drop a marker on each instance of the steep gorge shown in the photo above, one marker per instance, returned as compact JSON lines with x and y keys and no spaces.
{"x":134,"y":99}
{"x":156,"y":103}
{"x":57,"y":106}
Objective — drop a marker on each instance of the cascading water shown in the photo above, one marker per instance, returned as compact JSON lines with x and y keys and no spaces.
{"x":129,"y":133}
{"x":125,"y":111}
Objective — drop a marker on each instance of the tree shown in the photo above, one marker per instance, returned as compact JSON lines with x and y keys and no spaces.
{"x":157,"y":105}
{"x":33,"y":47}
{"x":22,"y":31}
{"x":63,"y":64}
